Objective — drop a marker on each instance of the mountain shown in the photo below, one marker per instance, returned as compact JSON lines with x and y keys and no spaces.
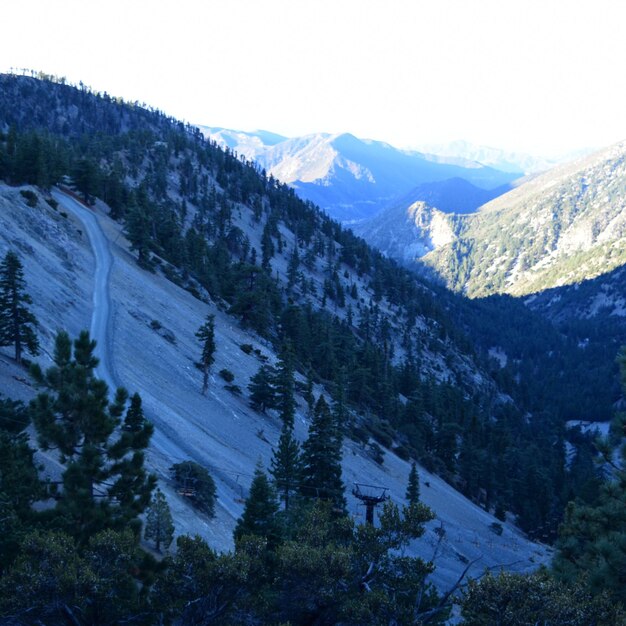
{"x":193,"y":231}
{"x":352,"y":178}
{"x":407,"y":233}
{"x":559,"y":228}
{"x":502,"y":160}
{"x":248,"y":144}
{"x":424,"y":219}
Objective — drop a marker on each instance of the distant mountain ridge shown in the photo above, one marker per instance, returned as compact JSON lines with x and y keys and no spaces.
{"x":557,"y":228}
{"x":351,"y":178}
{"x":504,"y":160}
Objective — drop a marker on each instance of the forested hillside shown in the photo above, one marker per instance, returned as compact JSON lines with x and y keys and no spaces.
{"x":378,"y":338}
{"x":405,"y":368}
{"x":559,"y":228}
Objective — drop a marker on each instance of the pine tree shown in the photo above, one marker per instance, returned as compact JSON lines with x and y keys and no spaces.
{"x":321,"y":458}
{"x":286,"y":465}
{"x":284,"y":388}
{"x":413,"y":487}
{"x":137,"y":230}
{"x":206,"y":334}
{"x":17,"y":323}
{"x":267,"y":247}
{"x":159,"y":523}
{"x":259,"y":515}
{"x":262,"y":393}
{"x":104,"y":483}
{"x":292,"y":268}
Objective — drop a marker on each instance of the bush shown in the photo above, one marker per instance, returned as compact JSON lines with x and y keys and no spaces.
{"x":236,"y":389}
{"x":402,"y":452}
{"x":227,"y":375}
{"x":194,"y":482}
{"x":53,"y":203}
{"x":30,"y":197}
{"x":247,"y":348}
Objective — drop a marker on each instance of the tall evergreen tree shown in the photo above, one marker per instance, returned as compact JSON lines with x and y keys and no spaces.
{"x":292,"y":268}
{"x":159,"y":523}
{"x":413,"y":487}
{"x":262,"y":392}
{"x":284,"y":387}
{"x":267,"y":247}
{"x":104,"y":483}
{"x":206,"y":334}
{"x":259,"y":515}
{"x":17,"y":322}
{"x":321,"y":458}
{"x":137,"y":230}
{"x":286,"y":465}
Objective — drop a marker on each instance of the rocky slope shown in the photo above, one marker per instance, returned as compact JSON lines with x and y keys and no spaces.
{"x":153,"y":348}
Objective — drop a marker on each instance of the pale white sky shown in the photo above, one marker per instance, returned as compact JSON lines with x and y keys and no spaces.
{"x":544,"y":76}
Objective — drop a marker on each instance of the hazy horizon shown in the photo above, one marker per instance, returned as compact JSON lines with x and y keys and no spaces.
{"x":532,"y":77}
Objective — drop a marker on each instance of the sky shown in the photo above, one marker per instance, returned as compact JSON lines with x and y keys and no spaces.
{"x":544,"y":77}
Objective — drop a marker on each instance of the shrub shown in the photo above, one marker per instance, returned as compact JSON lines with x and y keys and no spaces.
{"x":247,"y":348}
{"x":194,"y":482}
{"x":227,"y":375}
{"x":30,"y":197}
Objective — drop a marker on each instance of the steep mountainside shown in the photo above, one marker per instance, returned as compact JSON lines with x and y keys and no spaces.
{"x":208,"y":232}
{"x":559,"y":228}
{"x":349,"y":177}
{"x":423,"y":220}
{"x":153,"y":350}
{"x":408,"y":232}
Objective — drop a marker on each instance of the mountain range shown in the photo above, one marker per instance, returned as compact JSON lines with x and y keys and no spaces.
{"x":560,"y":227}
{"x":354,"y":178}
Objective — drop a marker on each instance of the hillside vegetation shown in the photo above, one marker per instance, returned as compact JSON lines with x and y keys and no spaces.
{"x":562,"y":227}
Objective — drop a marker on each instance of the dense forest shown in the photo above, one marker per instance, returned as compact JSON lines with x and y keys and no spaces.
{"x":406,"y":364}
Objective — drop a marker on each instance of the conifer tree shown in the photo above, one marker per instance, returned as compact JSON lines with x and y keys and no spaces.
{"x":138,"y":231}
{"x":104,"y":483}
{"x":267,"y":247}
{"x":292,"y":268}
{"x":262,"y":393}
{"x":159,"y":523}
{"x":17,"y":322}
{"x":286,"y":465}
{"x":284,"y":386}
{"x":413,"y":487}
{"x":321,"y":458}
{"x":259,"y":515}
{"x":206,"y":334}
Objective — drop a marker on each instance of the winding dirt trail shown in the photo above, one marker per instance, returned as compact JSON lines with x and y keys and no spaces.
{"x":167,"y":445}
{"x":101,"y":314}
